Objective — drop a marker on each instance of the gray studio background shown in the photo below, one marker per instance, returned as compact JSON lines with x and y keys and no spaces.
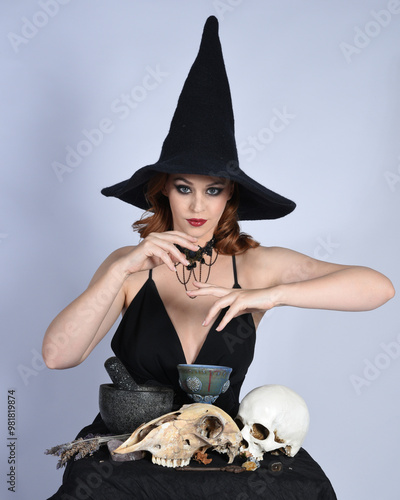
{"x":331,"y":72}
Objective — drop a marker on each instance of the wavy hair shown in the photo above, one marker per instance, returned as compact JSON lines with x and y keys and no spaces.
{"x":229,"y":239}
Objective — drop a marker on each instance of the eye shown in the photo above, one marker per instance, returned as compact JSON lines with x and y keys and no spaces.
{"x":258,"y":431}
{"x":181,"y":188}
{"x":214,"y":191}
{"x":210,"y":427}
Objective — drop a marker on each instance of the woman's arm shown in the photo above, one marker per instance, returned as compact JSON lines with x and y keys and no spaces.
{"x":79,"y":327}
{"x":279,"y":277}
{"x":353,"y":288}
{"x":74,"y":333}
{"x":302,"y":281}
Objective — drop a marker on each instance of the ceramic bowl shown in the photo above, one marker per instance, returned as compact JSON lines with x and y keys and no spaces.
{"x":204,"y":383}
{"x":124,"y":410}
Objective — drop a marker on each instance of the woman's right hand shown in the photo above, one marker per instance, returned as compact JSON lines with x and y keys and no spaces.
{"x":157,"y":249}
{"x":79,"y":327}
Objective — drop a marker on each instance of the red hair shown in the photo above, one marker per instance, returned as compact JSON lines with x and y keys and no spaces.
{"x":229,"y":239}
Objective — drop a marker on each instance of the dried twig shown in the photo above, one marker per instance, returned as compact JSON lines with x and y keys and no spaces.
{"x":229,"y":468}
{"x":80,"y":447}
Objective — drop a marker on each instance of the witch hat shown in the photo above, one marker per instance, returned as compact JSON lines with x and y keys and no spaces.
{"x":201,"y":139}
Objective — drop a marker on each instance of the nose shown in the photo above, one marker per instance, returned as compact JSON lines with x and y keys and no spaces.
{"x":197,"y":203}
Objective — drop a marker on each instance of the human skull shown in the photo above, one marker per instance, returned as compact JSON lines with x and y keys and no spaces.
{"x":273,"y":417}
{"x":174,"y":438}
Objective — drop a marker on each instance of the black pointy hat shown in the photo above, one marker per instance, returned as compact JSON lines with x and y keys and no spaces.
{"x":201,"y":139}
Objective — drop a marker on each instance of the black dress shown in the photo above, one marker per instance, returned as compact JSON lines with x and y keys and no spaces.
{"x":148,"y":345}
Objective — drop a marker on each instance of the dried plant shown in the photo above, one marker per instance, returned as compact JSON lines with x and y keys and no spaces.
{"x":80,"y":447}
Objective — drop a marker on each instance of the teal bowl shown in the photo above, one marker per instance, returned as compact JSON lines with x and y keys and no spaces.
{"x":204,"y":383}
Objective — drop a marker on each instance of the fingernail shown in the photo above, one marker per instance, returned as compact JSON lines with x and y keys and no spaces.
{"x":204,"y":323}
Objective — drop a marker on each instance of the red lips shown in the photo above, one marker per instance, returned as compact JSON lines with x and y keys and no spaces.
{"x":196,"y":222}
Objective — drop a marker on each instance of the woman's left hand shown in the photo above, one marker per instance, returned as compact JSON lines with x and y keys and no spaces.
{"x":239,"y":301}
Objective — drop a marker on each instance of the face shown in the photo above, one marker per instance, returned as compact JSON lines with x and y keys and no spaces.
{"x":197,"y":203}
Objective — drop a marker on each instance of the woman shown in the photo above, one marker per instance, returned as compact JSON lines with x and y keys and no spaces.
{"x":195,"y":288}
{"x":269,"y":277}
{"x":140,"y":281}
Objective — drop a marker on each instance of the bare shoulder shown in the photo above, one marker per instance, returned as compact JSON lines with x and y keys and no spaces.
{"x":120,"y":252}
{"x":264,"y":257}
{"x":110,"y":260}
{"x":270,"y":266}
{"x":257,"y":267}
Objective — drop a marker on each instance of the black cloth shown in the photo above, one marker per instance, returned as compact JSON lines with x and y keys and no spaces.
{"x":100,"y":478}
{"x":148,"y":345}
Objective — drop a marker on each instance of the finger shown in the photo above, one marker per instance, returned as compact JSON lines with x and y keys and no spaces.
{"x":179,"y":256}
{"x":200,"y":284}
{"x":179,"y":238}
{"x":154,"y":246}
{"x":169,"y":244}
{"x":167,"y":261}
{"x":217,"y":307}
{"x":164,"y":256}
{"x":236,"y":308}
{"x":175,"y":251}
{"x":228,"y":316}
{"x":209,"y":291}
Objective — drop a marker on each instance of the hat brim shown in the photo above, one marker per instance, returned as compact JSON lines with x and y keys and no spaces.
{"x":256,"y":201}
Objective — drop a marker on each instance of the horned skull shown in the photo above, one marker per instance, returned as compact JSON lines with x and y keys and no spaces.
{"x":273,"y":417}
{"x":174,"y":438}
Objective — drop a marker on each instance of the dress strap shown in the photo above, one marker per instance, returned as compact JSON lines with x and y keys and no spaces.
{"x":236,"y":284}
{"x":150,"y":274}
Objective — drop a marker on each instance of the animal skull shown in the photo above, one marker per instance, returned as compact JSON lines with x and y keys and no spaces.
{"x":174,"y":438}
{"x":273,"y":417}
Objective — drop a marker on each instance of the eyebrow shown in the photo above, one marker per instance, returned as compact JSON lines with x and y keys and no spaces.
{"x":218,"y":182}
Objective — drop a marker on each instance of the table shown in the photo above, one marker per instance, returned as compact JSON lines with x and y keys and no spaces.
{"x":100,"y":478}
